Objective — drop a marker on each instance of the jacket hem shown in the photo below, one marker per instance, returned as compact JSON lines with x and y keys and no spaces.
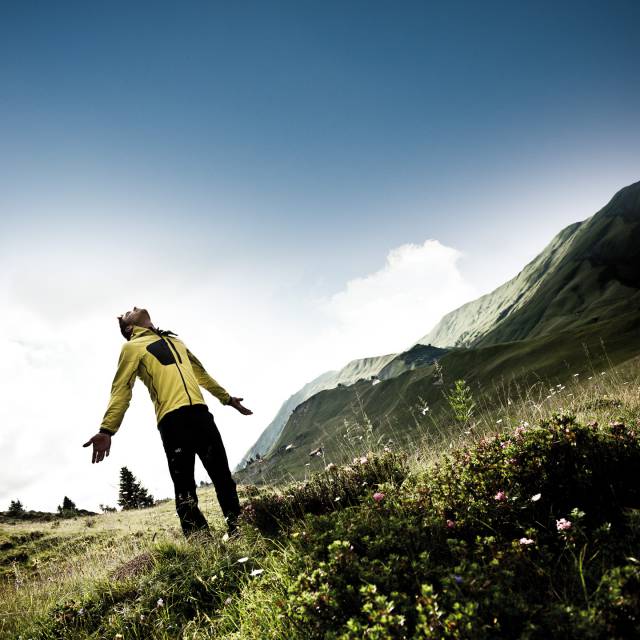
{"x":182,"y":406}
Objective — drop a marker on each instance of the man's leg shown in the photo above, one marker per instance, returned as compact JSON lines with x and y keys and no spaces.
{"x":178,"y":445}
{"x":211,"y":452}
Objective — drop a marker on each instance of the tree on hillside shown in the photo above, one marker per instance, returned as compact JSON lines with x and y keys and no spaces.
{"x":132,"y":494}
{"x":68,"y":507}
{"x":105,"y":508}
{"x":15,"y":509}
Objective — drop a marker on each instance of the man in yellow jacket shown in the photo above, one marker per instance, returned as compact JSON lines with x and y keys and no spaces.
{"x":173,"y":376}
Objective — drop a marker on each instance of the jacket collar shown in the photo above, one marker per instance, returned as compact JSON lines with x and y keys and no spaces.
{"x":138,"y":331}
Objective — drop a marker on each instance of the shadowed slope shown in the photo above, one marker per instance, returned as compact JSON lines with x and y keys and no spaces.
{"x":589,"y":272}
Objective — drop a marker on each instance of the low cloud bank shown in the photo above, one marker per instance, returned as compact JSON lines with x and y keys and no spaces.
{"x":60,"y":345}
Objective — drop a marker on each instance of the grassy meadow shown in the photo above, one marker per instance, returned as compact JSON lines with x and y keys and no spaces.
{"x":522,"y":373}
{"x":515,"y":518}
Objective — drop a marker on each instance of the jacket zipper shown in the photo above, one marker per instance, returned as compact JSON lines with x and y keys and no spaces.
{"x":184,"y":384}
{"x":174,"y":348}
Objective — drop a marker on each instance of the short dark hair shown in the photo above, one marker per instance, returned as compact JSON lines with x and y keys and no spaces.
{"x":125,"y":329}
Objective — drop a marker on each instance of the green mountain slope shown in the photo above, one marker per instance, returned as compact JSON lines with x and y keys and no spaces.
{"x":350,"y":373}
{"x":395,"y":409}
{"x":548,"y":323}
{"x":589,"y":272}
{"x":420,"y":355}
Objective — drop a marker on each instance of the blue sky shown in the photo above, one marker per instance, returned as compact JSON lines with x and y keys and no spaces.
{"x":244,"y":168}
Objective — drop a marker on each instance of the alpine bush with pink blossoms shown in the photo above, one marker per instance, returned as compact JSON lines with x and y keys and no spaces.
{"x":532,"y":534}
{"x":336,"y":488}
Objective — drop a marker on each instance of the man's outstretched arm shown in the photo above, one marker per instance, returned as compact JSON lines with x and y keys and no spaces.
{"x":215,"y":389}
{"x":121,"y":392}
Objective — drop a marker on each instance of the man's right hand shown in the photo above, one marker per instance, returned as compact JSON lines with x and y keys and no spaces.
{"x":101,"y":446}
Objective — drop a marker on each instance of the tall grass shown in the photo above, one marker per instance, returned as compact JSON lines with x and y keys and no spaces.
{"x":194,"y":591}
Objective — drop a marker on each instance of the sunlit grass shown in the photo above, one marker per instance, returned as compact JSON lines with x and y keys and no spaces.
{"x":211,"y":593}
{"x":80,"y":551}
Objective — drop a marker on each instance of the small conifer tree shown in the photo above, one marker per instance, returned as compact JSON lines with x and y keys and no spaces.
{"x":105,"y":508}
{"x":132,"y":495}
{"x":127,"y":491}
{"x":68,"y":507}
{"x":15,"y":509}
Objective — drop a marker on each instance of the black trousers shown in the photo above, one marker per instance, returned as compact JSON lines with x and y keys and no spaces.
{"x":185,"y":432}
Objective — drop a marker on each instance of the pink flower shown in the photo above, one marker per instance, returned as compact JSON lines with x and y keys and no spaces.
{"x":378,"y":496}
{"x":501,"y":496}
{"x":451,"y":524}
{"x":563,"y":524}
{"x":526,"y":541}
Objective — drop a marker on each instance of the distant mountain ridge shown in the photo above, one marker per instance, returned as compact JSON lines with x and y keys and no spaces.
{"x":590,"y":271}
{"x":583,"y":288}
{"x":350,"y":373}
{"x":420,"y":355}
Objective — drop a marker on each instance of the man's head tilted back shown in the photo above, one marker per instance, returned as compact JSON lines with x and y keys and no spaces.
{"x":135,"y":317}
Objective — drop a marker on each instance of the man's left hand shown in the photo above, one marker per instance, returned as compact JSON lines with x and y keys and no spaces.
{"x":236,"y":403}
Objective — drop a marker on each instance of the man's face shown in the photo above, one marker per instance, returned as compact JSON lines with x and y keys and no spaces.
{"x":135,"y":316}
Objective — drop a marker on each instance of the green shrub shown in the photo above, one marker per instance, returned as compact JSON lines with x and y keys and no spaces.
{"x":460,"y":400}
{"x":334,"y":489}
{"x":531,"y":534}
{"x":526,"y":535}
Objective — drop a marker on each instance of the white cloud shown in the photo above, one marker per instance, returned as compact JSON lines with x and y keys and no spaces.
{"x":257,"y":330}
{"x":387,"y":311}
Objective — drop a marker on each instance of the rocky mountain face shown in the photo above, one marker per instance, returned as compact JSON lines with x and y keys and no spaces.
{"x":583,"y":289}
{"x":355,"y":370}
{"x":589,"y":272}
{"x":420,"y":355}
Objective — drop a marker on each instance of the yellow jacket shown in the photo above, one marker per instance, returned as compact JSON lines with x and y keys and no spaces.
{"x":169,"y":370}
